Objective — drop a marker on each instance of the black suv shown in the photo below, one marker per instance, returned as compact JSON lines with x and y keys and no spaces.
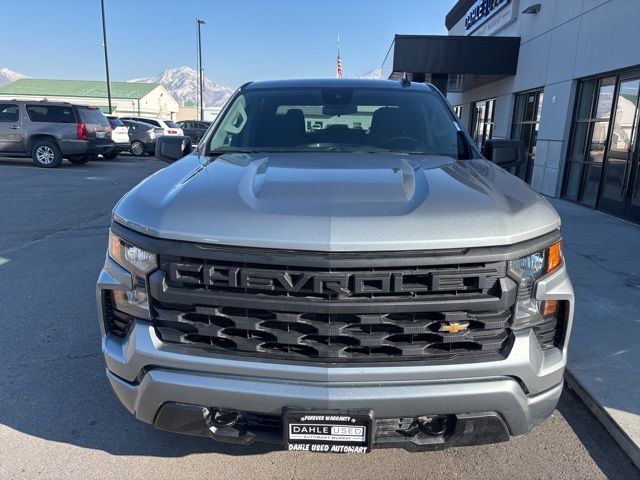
{"x":51,"y":131}
{"x":194,"y":129}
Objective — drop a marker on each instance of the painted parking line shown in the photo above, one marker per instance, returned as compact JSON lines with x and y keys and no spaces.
{"x":3,"y":261}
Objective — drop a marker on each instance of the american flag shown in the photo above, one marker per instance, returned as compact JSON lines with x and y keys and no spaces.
{"x":339,"y":66}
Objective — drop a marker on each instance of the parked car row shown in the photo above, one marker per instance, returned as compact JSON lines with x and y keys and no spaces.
{"x":53,"y":131}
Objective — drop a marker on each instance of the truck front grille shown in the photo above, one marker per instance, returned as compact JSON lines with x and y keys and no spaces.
{"x":334,"y":311}
{"x":334,"y":336}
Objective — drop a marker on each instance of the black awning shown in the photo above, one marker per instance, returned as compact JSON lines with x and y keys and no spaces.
{"x":466,"y":61}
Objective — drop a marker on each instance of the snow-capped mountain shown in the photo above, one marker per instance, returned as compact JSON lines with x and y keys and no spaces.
{"x":375,"y":74}
{"x":8,"y":76}
{"x":182,"y":82}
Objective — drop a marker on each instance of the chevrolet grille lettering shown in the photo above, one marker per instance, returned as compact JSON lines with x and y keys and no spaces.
{"x":339,"y":284}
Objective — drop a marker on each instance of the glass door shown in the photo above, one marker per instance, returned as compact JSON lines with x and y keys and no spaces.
{"x":587,"y":147}
{"x":482,"y":121}
{"x":526,"y":123}
{"x":620,"y":193}
{"x":632,"y":207}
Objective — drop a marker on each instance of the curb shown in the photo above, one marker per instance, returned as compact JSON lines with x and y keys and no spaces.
{"x":615,"y":430}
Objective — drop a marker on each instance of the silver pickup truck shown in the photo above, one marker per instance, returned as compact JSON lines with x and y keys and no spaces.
{"x":335,"y":268}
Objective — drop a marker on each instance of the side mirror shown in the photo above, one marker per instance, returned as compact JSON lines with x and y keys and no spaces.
{"x":505,"y":153}
{"x":170,"y":148}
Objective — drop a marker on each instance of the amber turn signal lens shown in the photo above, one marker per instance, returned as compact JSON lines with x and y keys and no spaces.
{"x":555,"y":257}
{"x":550,"y":308}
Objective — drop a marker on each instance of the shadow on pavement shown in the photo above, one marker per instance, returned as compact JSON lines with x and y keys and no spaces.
{"x":613,"y":462}
{"x":67,"y":399}
{"x":28,"y":162}
{"x":63,"y":395}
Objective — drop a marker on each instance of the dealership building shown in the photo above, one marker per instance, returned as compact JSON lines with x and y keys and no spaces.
{"x":563,"y":76}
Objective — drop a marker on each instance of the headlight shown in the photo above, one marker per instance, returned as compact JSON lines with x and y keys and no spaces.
{"x":531,"y":266}
{"x":139,"y":262}
{"x":133,"y":258}
{"x":152,"y":133}
{"x":526,"y":271}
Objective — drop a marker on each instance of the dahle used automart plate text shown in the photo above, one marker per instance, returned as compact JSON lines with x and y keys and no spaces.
{"x":328,"y":432}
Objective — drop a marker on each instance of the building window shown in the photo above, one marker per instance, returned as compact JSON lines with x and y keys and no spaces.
{"x":526,"y":123}
{"x":603,"y":165}
{"x":588,"y":143}
{"x":458,"y":111}
{"x":482,"y":121}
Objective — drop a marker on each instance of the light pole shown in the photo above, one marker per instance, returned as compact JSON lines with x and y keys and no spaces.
{"x":200,"y":70}
{"x":106,"y":56}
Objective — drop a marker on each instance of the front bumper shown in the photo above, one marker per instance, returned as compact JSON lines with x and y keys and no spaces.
{"x":174,"y":400}
{"x":148,"y":375}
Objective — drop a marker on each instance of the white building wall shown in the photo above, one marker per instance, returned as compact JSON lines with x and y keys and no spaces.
{"x":565,"y":41}
{"x":157,"y":103}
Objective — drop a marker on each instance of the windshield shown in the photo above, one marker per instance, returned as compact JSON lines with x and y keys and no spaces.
{"x":339,"y":119}
{"x":170,"y":124}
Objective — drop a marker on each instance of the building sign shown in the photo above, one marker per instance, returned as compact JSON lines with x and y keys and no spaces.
{"x":484,"y":13}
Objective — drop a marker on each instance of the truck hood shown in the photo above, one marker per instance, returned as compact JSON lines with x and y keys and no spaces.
{"x":337,"y":202}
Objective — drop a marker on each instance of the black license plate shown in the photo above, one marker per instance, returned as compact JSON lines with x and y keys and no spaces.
{"x":328,"y":431}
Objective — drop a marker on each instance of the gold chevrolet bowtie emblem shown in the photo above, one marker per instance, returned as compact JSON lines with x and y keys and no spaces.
{"x":453,"y":327}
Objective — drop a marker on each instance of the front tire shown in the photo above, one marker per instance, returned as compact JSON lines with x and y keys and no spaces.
{"x":137,"y":148}
{"x":110,"y":156}
{"x":46,"y":154}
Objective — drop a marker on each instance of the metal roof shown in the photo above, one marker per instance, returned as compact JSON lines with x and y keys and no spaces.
{"x":77,"y":88}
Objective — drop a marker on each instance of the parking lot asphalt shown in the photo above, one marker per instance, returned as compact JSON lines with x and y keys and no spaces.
{"x":59,"y":418}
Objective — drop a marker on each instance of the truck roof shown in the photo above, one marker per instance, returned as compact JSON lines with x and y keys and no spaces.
{"x":336,"y":82}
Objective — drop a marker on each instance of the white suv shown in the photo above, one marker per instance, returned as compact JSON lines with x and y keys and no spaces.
{"x":120,"y":136}
{"x":169,"y":127}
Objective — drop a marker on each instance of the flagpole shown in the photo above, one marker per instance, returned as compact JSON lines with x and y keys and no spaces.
{"x":338,"y":60}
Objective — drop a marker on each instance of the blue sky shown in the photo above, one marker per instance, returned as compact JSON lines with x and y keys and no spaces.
{"x":242,"y":40}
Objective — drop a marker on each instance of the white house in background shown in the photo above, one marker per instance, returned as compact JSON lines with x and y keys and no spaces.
{"x":127,"y":98}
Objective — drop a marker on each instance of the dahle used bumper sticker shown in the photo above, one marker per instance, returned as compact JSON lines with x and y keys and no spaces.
{"x":328,"y":432}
